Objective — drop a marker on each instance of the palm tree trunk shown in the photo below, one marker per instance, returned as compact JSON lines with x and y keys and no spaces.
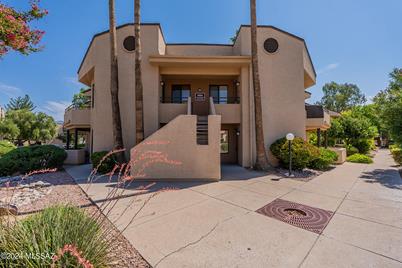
{"x":114,"y":84}
{"x":139,"y":107}
{"x":262,"y":161}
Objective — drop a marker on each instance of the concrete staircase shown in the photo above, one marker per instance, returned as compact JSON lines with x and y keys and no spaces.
{"x":202,"y":130}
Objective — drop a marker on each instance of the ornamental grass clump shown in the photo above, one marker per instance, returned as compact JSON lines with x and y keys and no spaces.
{"x":59,"y":236}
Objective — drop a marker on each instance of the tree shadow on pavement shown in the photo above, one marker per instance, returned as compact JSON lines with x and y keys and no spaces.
{"x":389,"y":178}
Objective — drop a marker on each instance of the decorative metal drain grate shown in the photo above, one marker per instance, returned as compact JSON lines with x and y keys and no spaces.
{"x":305,"y":217}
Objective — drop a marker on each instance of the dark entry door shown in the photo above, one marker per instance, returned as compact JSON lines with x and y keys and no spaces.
{"x":229,"y":144}
{"x":200,"y":102}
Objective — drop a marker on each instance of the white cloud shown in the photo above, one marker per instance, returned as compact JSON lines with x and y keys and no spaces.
{"x":55,"y":109}
{"x":73,"y":81}
{"x":328,"y":68}
{"x":10,"y":91}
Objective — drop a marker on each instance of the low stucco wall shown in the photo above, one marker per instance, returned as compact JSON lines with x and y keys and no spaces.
{"x":341,"y":152}
{"x":172,"y":153}
{"x":75,"y":157}
{"x":168,"y":111}
{"x":231,"y":113}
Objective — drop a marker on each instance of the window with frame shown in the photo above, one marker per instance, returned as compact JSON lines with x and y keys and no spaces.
{"x":180,"y":93}
{"x":224,"y":141}
{"x":219,"y":93}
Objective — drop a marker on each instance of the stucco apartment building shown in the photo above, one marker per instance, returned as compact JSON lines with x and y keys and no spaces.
{"x":198,"y":98}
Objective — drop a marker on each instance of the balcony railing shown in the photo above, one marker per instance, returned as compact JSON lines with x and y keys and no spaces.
{"x":226,"y":100}
{"x":173,"y":100}
{"x":81,"y":106}
{"x":217,"y":100}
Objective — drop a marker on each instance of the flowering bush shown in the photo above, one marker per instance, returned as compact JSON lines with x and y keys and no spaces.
{"x":15,"y":33}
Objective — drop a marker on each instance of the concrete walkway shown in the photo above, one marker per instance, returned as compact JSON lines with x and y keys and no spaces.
{"x":215,"y":224}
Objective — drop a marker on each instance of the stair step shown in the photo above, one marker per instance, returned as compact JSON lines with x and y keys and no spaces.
{"x":202,"y":130}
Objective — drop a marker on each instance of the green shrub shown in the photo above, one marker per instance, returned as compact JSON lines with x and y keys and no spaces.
{"x":397,"y":154}
{"x":107,"y":164}
{"x":302,"y":152}
{"x":350,"y":150}
{"x":364,"y":146}
{"x":324,"y":160}
{"x":5,"y":147}
{"x":359,"y":158}
{"x":25,"y":159}
{"x":49,"y":231}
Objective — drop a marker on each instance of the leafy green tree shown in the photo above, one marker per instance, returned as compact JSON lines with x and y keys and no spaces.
{"x":20,"y":103}
{"x":9,"y":130}
{"x":20,"y":126}
{"x":389,"y":104}
{"x":353,"y":129}
{"x":341,"y":97}
{"x":370,"y":112}
{"x":15,"y":31}
{"x":44,"y":128}
{"x":21,"y":120}
{"x":81,"y":100}
{"x":356,"y":128}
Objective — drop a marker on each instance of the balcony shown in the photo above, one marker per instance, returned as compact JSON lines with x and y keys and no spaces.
{"x":77,"y":117}
{"x":317,"y":118}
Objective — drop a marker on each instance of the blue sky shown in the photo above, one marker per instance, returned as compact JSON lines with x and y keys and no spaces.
{"x":355,"y":41}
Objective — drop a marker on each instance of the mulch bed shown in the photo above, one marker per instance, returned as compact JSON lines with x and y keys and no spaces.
{"x":66,"y":191}
{"x":299,"y":175}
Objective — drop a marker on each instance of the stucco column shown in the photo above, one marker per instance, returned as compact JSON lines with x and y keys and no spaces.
{"x":68,"y":139}
{"x":75,"y":139}
{"x":245,"y":148}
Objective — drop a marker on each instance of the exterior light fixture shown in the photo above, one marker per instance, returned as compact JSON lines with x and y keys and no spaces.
{"x":237,"y":83}
{"x":162,"y":83}
{"x":290,"y":137}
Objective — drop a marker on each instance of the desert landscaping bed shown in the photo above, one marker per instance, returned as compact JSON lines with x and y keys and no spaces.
{"x":44,"y":190}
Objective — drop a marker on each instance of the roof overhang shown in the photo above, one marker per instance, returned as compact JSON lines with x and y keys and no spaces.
{"x":213,"y":65}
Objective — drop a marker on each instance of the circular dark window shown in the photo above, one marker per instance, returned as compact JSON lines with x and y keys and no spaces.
{"x":129,"y":43}
{"x":271,"y":45}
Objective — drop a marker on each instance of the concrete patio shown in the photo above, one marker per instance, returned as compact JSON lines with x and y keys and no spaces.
{"x":215,"y":224}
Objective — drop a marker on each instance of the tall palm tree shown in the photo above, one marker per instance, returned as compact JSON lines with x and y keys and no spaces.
{"x":139,"y":104}
{"x":262,"y":160}
{"x":114,"y":84}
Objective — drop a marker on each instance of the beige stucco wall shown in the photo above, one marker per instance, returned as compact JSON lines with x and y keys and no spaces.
{"x":75,"y":157}
{"x":199,"y":50}
{"x":182,"y":158}
{"x":282,"y":83}
{"x":283,"y":80}
{"x":98,"y":56}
